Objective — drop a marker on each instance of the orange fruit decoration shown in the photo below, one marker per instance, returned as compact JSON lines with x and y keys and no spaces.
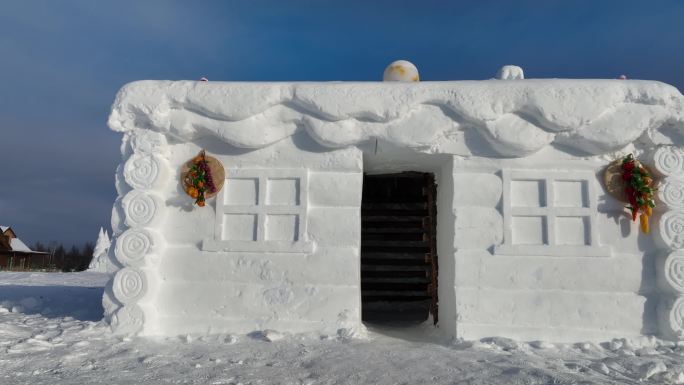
{"x":202,"y":177}
{"x":643,"y":219}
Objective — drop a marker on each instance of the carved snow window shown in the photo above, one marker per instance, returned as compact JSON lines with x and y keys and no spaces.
{"x":261,"y":210}
{"x":550,"y":213}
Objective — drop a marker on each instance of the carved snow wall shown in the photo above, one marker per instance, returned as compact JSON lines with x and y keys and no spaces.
{"x":669,"y":163}
{"x":542,"y":252}
{"x":247,"y":260}
{"x":529,"y":244}
{"x":128,"y":298}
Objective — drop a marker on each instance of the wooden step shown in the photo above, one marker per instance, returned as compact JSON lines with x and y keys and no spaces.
{"x":397,"y":243}
{"x":373,"y":251}
{"x":394,"y":206}
{"x":400,"y":263}
{"x":399,"y":280}
{"x":392,"y":218}
{"x":366,"y":298}
{"x":415,"y":294}
{"x":396,"y":287}
{"x":394,"y":268}
{"x":393,"y":306}
{"x":394,"y":255}
{"x":396,"y":237}
{"x":392,"y":230}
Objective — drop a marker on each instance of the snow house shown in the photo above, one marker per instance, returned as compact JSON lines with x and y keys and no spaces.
{"x":482,"y":207}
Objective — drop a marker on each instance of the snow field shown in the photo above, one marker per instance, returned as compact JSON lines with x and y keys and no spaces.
{"x":50,"y":334}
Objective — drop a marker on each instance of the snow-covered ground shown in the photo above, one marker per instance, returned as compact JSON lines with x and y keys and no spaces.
{"x":51,"y":333}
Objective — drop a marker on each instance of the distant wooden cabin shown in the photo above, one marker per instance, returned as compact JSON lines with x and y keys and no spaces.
{"x":16,"y":256}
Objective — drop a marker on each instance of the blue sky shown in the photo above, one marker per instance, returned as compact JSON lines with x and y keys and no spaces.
{"x":61,"y":63}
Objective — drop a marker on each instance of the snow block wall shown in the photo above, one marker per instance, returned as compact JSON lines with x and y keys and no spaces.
{"x":669,"y":163}
{"x":178,"y":277}
{"x":529,"y":244}
{"x":546,"y":254}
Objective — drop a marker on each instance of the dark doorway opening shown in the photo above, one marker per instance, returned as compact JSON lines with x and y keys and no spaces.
{"x":398,"y":249}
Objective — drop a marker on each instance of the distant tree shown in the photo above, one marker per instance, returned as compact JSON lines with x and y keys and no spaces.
{"x":86,"y":256}
{"x":71,"y":261}
{"x":52,"y":248}
{"x":59,"y":256}
{"x":39,"y":247}
{"x":75,"y":259}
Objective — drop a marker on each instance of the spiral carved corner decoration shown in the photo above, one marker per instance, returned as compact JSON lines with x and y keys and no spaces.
{"x":671,"y":193}
{"x":138,"y":246}
{"x":145,"y":171}
{"x":671,"y":317}
{"x":142,"y":209}
{"x":148,"y":142}
{"x":129,"y":285}
{"x":672,"y":229}
{"x":134,"y":246}
{"x":670,"y":273}
{"x":128,"y":319}
{"x":668,"y":162}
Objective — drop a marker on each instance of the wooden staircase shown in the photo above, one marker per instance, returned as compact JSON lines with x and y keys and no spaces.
{"x":398,"y":250}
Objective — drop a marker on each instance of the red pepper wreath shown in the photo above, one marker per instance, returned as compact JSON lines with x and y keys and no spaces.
{"x":638,"y":190}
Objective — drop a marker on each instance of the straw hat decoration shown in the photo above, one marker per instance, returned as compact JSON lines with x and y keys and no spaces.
{"x":202,"y":177}
{"x":629,"y":181}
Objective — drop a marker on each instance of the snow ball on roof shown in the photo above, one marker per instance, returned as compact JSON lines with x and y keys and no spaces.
{"x":401,"y":71}
{"x":510,"y":73}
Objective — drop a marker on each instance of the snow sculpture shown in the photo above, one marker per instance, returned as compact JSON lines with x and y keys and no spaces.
{"x":669,"y":162}
{"x":100,"y":261}
{"x":401,"y":71}
{"x":529,"y":244}
{"x":510,"y":72}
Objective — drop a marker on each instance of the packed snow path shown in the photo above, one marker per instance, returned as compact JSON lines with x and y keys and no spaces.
{"x":50,"y":334}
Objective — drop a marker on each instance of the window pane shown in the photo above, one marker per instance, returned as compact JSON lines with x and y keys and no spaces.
{"x":572,"y":231}
{"x":283,"y":192}
{"x":239,"y":227}
{"x":528,"y":193}
{"x":282,"y":227}
{"x":571,"y":193}
{"x":241,"y":191}
{"x":529,"y":231}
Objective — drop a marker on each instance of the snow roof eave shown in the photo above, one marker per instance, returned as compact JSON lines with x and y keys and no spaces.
{"x":17,"y":245}
{"x":32,"y":252}
{"x":507,"y":118}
